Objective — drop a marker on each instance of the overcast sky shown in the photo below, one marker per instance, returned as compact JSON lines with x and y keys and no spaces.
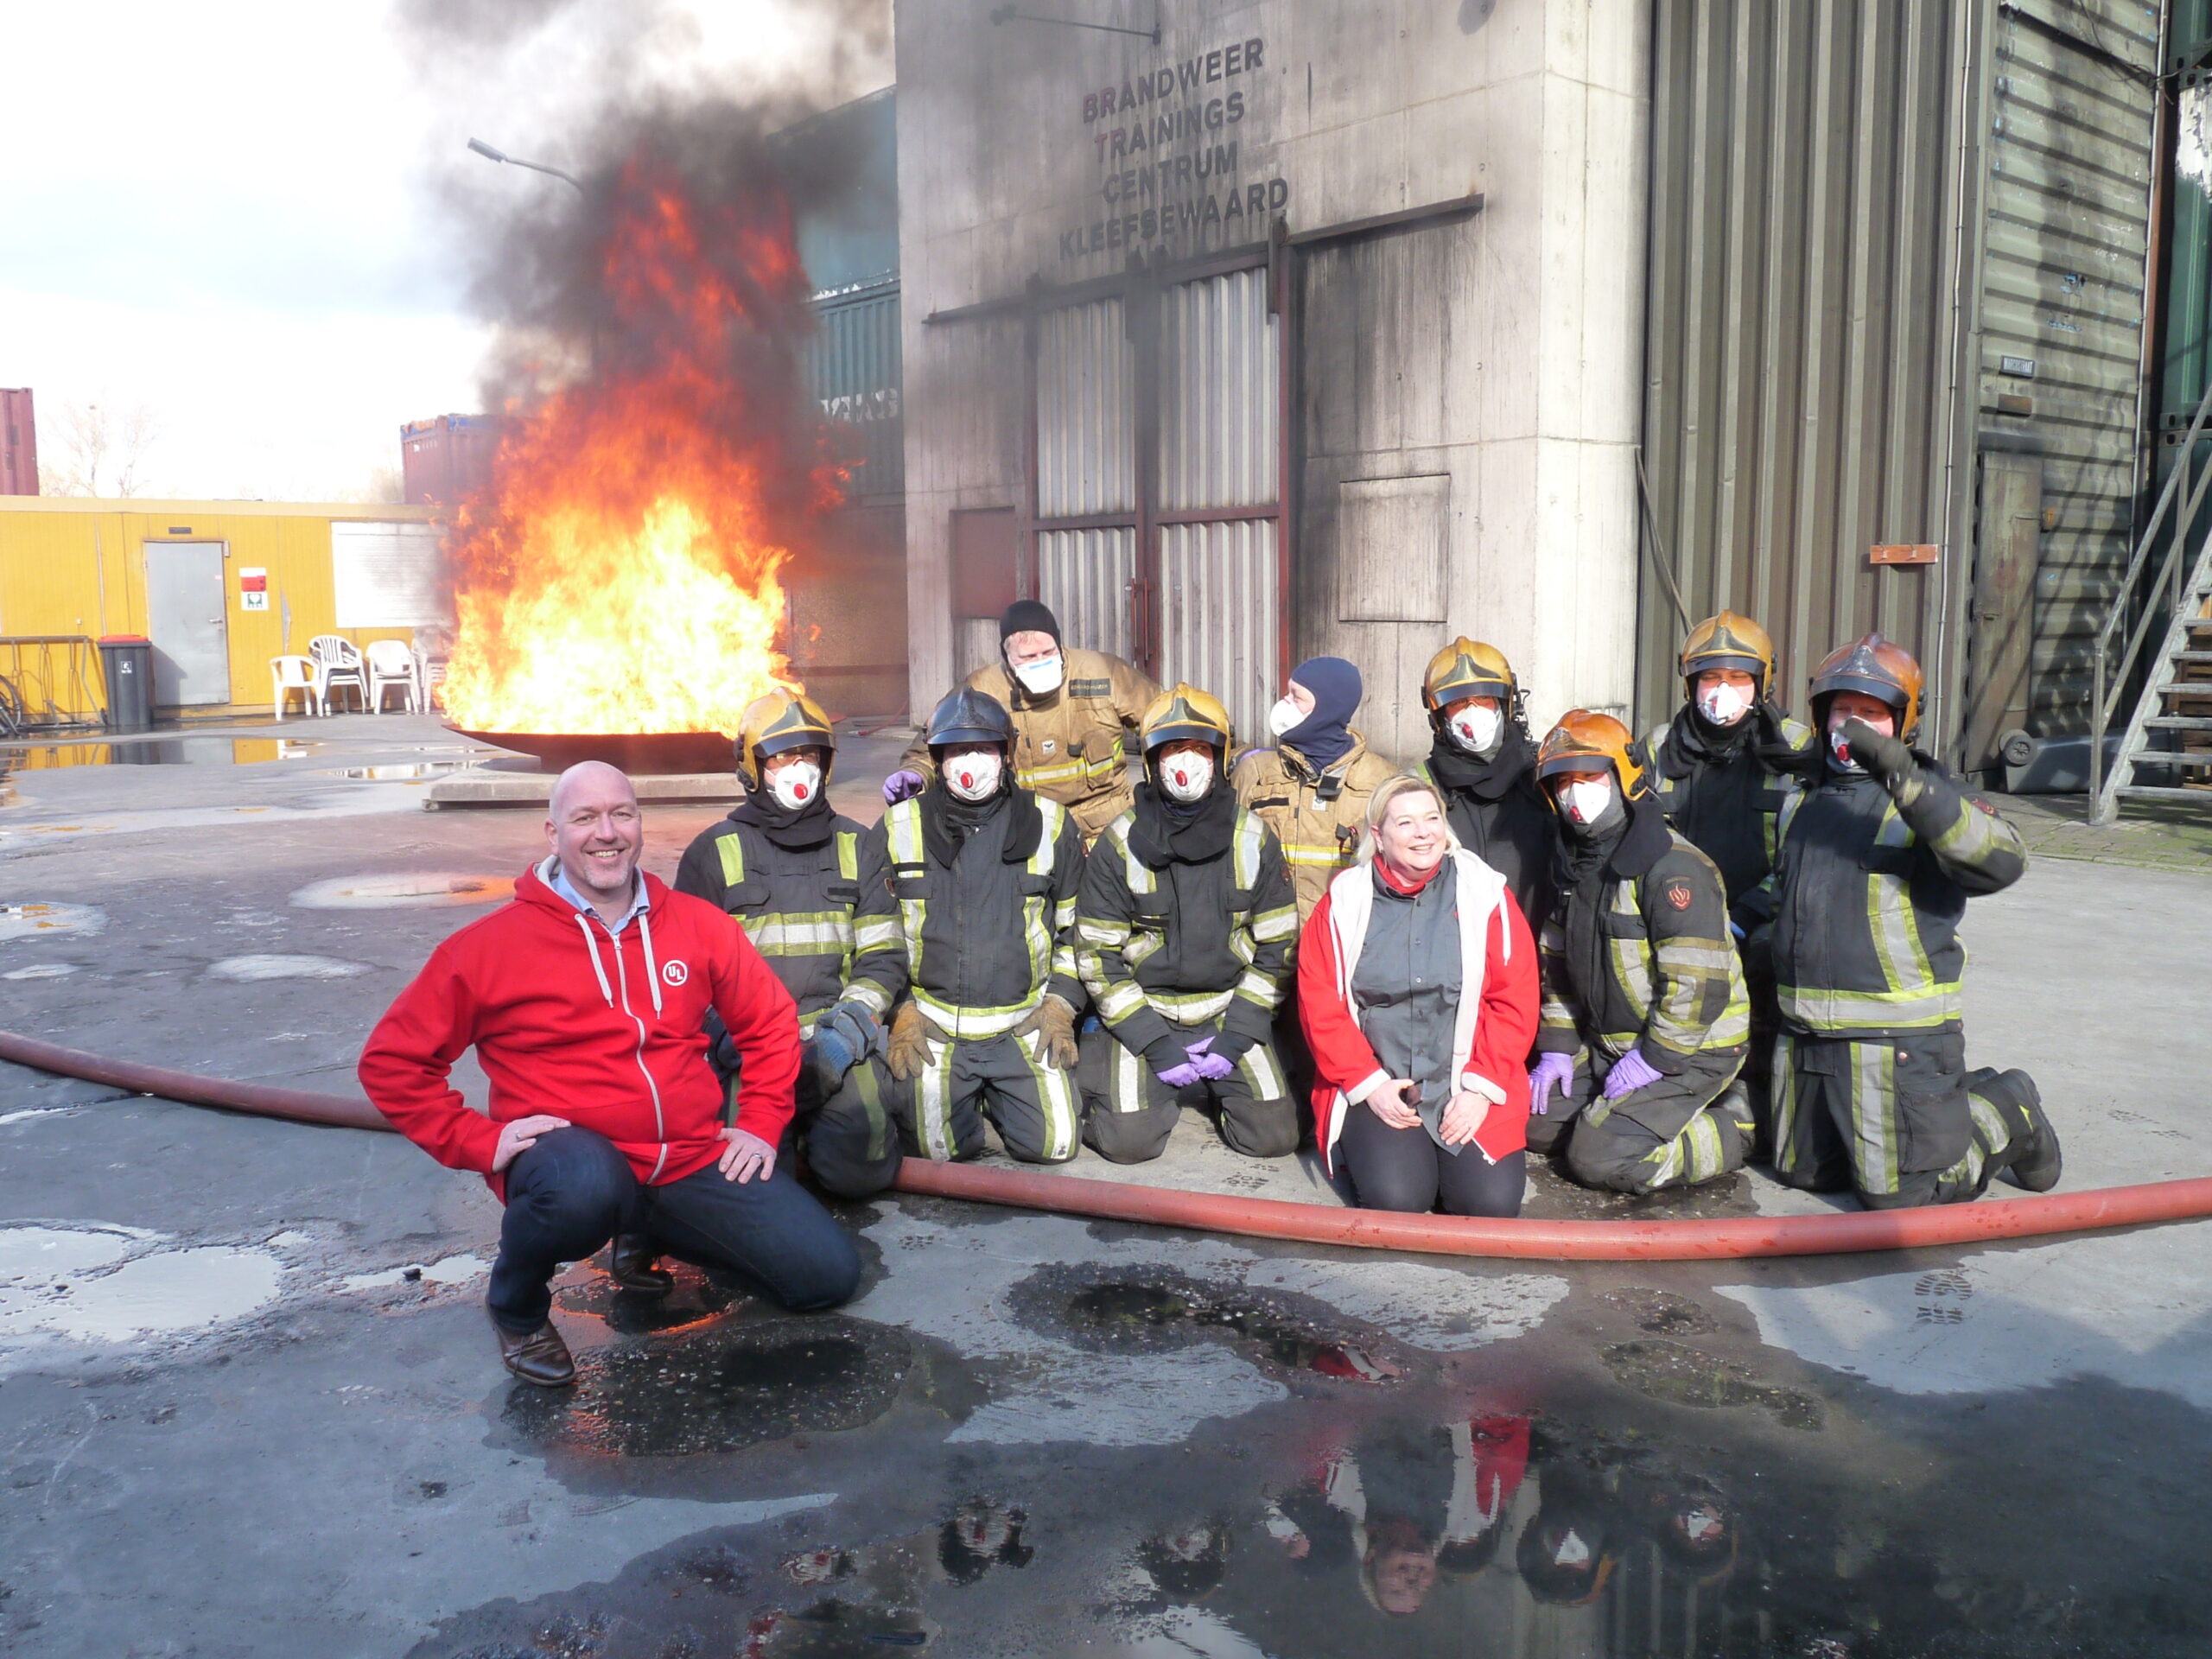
{"x":237,"y":213}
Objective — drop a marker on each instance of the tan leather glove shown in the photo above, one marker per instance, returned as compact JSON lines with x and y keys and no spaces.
{"x":912,"y":1033}
{"x":1054,"y":1024}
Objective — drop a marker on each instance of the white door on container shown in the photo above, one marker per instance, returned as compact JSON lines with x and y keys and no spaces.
{"x":185,"y":619}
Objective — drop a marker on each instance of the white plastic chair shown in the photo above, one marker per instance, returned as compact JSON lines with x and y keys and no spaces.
{"x":390,"y":663}
{"x":296,"y":674}
{"x":338,"y":662}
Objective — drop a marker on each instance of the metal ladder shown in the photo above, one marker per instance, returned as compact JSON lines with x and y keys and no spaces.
{"x":2188,"y":645}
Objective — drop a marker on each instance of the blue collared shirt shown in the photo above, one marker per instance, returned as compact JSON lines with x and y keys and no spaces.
{"x":555,"y":877}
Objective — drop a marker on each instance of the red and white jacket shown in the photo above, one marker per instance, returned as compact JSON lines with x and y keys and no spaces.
{"x":1496,"y":1018}
{"x":606,"y":1031}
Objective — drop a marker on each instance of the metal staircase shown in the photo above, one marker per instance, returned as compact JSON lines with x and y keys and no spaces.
{"x":2179,"y":675}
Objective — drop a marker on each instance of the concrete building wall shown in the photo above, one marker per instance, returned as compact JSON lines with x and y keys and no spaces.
{"x":1495,"y":359}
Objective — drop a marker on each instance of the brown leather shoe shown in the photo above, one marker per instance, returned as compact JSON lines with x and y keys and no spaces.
{"x":538,"y":1356}
{"x":630,"y":1261}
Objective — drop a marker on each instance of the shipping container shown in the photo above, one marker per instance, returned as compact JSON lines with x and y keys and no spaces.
{"x":444,"y":460}
{"x":18,"y":443}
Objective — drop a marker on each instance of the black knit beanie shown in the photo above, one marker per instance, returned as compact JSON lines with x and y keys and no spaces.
{"x":1024,"y":615}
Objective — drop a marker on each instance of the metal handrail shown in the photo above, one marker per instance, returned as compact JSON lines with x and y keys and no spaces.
{"x":2101,"y":699}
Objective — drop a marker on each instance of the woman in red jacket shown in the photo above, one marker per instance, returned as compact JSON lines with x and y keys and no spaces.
{"x":1417,"y":987}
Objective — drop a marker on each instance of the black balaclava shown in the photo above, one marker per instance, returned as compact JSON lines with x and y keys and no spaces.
{"x":1324,"y":737}
{"x":1193,"y":831}
{"x":1487,"y":777}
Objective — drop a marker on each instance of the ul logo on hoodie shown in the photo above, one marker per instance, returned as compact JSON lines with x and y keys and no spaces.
{"x":675,"y":972}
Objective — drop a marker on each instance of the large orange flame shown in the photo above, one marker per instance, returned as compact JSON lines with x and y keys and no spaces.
{"x":620,"y":575}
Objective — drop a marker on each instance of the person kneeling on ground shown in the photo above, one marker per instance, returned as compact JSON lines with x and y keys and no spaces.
{"x":1417,"y":986}
{"x":814,"y":896}
{"x":586,"y":999}
{"x":1871,"y":1091}
{"x":1184,"y":929}
{"x":1645,"y":1013}
{"x":985,"y":874}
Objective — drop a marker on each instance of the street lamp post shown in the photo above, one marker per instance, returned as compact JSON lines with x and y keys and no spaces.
{"x":492,"y":155}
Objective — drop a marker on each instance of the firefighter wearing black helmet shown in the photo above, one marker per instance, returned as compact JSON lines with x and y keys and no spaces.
{"x":811,"y":888}
{"x":1184,"y":932}
{"x":985,"y":876}
{"x":1875,"y":865}
{"x":1645,"y":1018}
{"x":1483,"y":763}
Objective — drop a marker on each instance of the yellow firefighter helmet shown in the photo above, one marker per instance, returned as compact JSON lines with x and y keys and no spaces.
{"x":1184,"y":712}
{"x":1467,"y":668}
{"x":1730,"y":641}
{"x":779,"y":722}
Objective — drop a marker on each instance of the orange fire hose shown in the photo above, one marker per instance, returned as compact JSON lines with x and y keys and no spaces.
{"x":1835,"y":1233}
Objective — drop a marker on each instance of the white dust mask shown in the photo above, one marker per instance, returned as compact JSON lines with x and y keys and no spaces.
{"x":796,"y":785}
{"x":1186,"y":777}
{"x":1284,"y":715}
{"x":1839,"y":747}
{"x":1586,"y":803}
{"x":974,"y":776}
{"x":1041,"y":678}
{"x":1475,"y":730}
{"x":1723,"y":705}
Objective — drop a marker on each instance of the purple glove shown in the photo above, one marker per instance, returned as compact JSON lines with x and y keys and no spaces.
{"x":1550,"y":1072}
{"x":903,"y":786}
{"x":1631,"y":1072}
{"x":1210,"y":1066}
{"x":1180,"y":1077}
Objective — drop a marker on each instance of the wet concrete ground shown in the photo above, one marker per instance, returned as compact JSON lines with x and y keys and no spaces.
{"x":248,"y":1404}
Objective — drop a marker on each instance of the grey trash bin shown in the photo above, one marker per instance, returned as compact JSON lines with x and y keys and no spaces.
{"x":129,"y":660}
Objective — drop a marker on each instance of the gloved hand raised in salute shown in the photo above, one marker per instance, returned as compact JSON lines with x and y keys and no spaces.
{"x":1888,"y":761}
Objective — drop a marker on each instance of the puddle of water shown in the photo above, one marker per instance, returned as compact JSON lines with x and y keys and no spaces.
{"x":393,"y":891}
{"x":36,"y":917}
{"x":85,"y":1283}
{"x":447,"y":1270}
{"x":156,"y":752}
{"x":42,"y":970}
{"x":398,"y":771}
{"x":721,"y":1387}
{"x":248,"y":969}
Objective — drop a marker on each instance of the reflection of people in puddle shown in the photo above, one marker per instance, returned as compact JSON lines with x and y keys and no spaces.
{"x":1187,"y":1566}
{"x":980,"y":1536}
{"x":1567,"y":1549}
{"x":1695,"y":1529}
{"x":1422,"y":1501}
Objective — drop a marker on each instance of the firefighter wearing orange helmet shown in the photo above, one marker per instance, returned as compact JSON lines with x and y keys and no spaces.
{"x":1645,"y":1018}
{"x":1873,"y":868}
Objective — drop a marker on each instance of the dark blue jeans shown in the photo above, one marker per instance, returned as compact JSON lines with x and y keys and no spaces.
{"x":572,"y":1192}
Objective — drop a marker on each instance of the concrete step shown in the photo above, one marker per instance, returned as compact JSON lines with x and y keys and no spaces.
{"x":2179,"y":723}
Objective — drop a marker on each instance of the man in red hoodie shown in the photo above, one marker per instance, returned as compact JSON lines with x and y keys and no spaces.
{"x":585,"y":1000}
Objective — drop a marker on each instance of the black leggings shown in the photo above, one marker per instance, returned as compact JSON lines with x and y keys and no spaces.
{"x":1404,"y":1170}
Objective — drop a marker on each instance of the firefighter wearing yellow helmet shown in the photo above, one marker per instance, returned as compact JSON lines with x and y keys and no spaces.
{"x":814,"y":900}
{"x":1483,"y":763}
{"x":1874,"y":867}
{"x":1645,"y":1019}
{"x":1184,"y":931}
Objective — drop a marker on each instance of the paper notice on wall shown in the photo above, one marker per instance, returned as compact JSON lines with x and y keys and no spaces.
{"x":253,"y":589}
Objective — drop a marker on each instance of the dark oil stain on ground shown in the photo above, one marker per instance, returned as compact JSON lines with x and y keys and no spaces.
{"x":716,"y":1388}
{"x":1157,"y":1310}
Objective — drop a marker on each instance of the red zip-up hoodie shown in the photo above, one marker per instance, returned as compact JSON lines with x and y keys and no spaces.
{"x":603,"y":1030}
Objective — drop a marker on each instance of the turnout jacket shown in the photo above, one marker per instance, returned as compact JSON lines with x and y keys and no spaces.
{"x":1161,"y":938}
{"x":1725,"y":793}
{"x":1317,"y":813}
{"x":821,"y":916}
{"x":1067,"y":747}
{"x":1636,"y":954}
{"x":988,"y":923}
{"x":1868,"y":891}
{"x":603,"y":1030}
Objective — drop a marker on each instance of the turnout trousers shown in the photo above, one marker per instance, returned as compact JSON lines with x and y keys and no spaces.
{"x":1899,"y":1121}
{"x":1680,"y":1130}
{"x":999,"y":1080}
{"x":852,"y":1144}
{"x":1128,"y":1113}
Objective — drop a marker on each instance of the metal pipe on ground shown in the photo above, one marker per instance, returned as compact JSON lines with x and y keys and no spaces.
{"x":1838,"y":1233}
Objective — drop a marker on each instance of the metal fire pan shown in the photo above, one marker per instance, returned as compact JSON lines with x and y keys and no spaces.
{"x":645,"y":753}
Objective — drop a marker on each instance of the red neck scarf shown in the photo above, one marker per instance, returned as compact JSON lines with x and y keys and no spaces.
{"x":1407,"y":885}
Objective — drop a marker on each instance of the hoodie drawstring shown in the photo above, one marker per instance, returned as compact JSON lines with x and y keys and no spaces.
{"x":592,"y":946}
{"x":652,"y":973}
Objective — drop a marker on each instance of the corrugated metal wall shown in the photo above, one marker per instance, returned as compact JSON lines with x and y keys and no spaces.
{"x":1218,"y":623}
{"x":2066,"y":226}
{"x":853,"y":367}
{"x":1084,"y":576}
{"x":1799,"y":343}
{"x":1086,"y":413}
{"x":1219,"y":443}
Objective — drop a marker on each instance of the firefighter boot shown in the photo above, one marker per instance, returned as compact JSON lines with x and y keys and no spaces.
{"x":2032,"y":1160}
